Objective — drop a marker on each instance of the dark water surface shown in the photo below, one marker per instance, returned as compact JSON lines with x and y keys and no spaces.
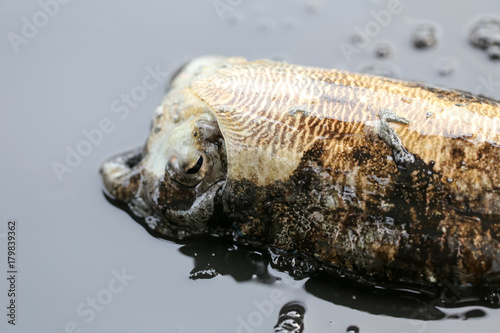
{"x":78,"y":75}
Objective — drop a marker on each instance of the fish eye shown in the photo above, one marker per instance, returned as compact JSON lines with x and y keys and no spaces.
{"x":197,"y":167}
{"x":188,"y":174}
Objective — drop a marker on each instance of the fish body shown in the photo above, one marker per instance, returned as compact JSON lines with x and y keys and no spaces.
{"x":394,"y":181}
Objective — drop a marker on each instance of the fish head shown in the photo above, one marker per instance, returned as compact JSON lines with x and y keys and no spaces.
{"x":174,"y":180}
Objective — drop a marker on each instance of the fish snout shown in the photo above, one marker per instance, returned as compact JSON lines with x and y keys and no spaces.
{"x":121,"y":174}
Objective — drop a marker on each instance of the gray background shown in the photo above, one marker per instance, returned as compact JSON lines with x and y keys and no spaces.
{"x":64,"y":79}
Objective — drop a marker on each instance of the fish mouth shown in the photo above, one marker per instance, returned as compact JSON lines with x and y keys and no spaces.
{"x":173,"y":224}
{"x":121,"y":176}
{"x":200,"y":209}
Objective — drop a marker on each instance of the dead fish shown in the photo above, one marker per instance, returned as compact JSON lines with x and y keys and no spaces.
{"x":394,"y":181}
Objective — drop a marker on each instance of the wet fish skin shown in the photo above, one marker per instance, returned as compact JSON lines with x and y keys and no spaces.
{"x":392,"y":180}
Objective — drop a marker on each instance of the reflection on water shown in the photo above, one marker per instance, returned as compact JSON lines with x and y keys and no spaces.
{"x":244,"y":263}
{"x":215,"y":257}
{"x":391,"y":302}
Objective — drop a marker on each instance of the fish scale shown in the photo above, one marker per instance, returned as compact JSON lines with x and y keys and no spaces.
{"x":344,"y":87}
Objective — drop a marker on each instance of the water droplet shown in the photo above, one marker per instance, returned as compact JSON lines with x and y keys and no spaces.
{"x":387,"y":70}
{"x":265,"y":24}
{"x":352,"y":329}
{"x":383,"y":50}
{"x":424,"y":36}
{"x":358,"y":39}
{"x":235,"y":18}
{"x":446,"y":66}
{"x":494,"y":298}
{"x":208,"y":273}
{"x":152,"y":221}
{"x":291,"y":318}
{"x":299,"y":108}
{"x":476,"y":313}
{"x":493,"y":52}
{"x":314,"y":6}
{"x":406,"y":99}
{"x":290,"y":23}
{"x":279,"y":57}
{"x":485,"y":35}
{"x":297,"y":266}
{"x":225,"y":108}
